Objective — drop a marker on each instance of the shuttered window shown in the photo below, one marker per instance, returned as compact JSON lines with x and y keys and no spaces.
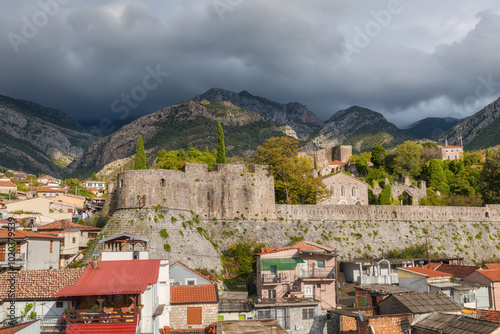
{"x":194,"y":315}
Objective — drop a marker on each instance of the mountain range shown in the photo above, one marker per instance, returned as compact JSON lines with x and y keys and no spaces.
{"x":41,"y":139}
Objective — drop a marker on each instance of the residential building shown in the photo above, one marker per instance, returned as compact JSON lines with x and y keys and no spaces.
{"x":304,"y":270}
{"x":180,"y":274}
{"x":60,"y":195}
{"x":420,"y":279}
{"x":459,"y":272}
{"x":125,"y":297}
{"x":235,"y":305}
{"x":33,"y":250}
{"x":453,"y":323}
{"x":418,"y":304}
{"x":124,"y":246}
{"x":76,"y":237}
{"x":193,"y":306}
{"x":37,"y":287}
{"x":333,"y":167}
{"x":365,"y":321}
{"x":491,"y":279}
{"x":18,"y":174}
{"x":297,"y":316}
{"x":376,"y":271}
{"x":49,"y":179}
{"x":471,"y":295}
{"x":96,"y":187}
{"x":46,"y":210}
{"x":491,"y":266}
{"x":7,"y":186}
{"x":346,"y":190}
{"x":450,"y":152}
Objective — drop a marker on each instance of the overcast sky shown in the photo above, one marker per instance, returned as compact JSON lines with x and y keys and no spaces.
{"x":107,"y":59}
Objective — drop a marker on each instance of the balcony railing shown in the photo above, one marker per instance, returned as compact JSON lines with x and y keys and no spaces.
{"x":100,"y":317}
{"x":276,"y":279}
{"x":319,"y":273}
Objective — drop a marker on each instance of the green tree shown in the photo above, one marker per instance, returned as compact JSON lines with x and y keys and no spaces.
{"x":411,"y":252}
{"x":409,"y":159}
{"x":489,"y":179}
{"x":93,"y":177}
{"x":436,"y":176}
{"x":221,"y":148}
{"x":377,"y":175}
{"x":361,"y":163}
{"x":378,"y":156}
{"x":385,"y":197}
{"x":140,"y":155}
{"x":293,"y":180}
{"x":175,"y":160}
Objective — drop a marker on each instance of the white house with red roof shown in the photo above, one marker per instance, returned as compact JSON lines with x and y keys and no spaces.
{"x":419,"y":279}
{"x":49,"y":179}
{"x":37,"y":287}
{"x":491,"y":279}
{"x":33,"y":250}
{"x":125,"y":297}
{"x":450,"y":152}
{"x":303,"y":270}
{"x":7,"y":186}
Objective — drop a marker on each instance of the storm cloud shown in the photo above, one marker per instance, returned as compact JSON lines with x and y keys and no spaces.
{"x":122,"y":59}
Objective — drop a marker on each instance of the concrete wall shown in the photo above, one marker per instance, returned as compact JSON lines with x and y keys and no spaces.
{"x":39,"y":255}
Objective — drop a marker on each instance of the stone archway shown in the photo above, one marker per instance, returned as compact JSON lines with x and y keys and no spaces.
{"x":406,"y":198}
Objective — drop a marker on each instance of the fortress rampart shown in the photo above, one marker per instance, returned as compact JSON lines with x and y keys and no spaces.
{"x":226,"y":192}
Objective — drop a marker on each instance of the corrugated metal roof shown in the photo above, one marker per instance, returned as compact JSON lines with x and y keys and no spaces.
{"x":114,"y":277}
{"x":424,"y":302}
{"x":455,"y":324}
{"x":125,"y":234}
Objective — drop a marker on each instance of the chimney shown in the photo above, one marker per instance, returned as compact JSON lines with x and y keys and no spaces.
{"x":93,"y":264}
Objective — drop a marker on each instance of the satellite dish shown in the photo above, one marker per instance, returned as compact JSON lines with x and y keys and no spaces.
{"x":361,"y":317}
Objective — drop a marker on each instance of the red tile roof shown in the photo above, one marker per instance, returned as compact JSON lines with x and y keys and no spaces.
{"x":457,"y":271}
{"x":489,"y":315}
{"x":298,"y":246}
{"x":336,"y":162}
{"x":451,"y":146}
{"x":62,"y":225}
{"x":38,"y":284}
{"x":491,"y":274}
{"x":194,"y":294}
{"x":433,"y":265}
{"x":21,"y":234}
{"x":492,"y":265}
{"x":7,"y":183}
{"x":115,"y":277}
{"x":425,"y":271}
{"x":194,"y":271}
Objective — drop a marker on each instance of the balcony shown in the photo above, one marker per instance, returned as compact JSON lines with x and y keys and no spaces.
{"x":318,"y":273}
{"x":17,"y":262}
{"x":107,"y":321}
{"x":275,"y":279}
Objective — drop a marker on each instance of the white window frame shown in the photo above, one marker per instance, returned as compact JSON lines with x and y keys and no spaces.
{"x":187,"y":280}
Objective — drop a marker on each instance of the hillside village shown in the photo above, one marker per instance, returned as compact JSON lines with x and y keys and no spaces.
{"x":193,"y":244}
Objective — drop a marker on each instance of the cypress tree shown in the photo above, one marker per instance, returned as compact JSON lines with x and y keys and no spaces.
{"x":140,"y":155}
{"x":221,"y":148}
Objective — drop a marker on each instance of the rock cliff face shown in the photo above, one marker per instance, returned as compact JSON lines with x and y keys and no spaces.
{"x":184,"y":125}
{"x":479,"y":130}
{"x":304,"y":122}
{"x":42,"y":137}
{"x":359,"y":127}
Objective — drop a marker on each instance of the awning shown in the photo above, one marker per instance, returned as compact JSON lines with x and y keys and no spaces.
{"x":281,"y":263}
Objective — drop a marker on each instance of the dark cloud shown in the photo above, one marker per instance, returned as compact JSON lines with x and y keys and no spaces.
{"x":425,"y":59}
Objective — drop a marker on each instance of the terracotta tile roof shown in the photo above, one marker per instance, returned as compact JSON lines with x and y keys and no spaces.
{"x":7,"y":183}
{"x":21,"y":234}
{"x":115,"y":277}
{"x":491,"y":274}
{"x":489,"y":315}
{"x":194,"y":271}
{"x":458,"y":271}
{"x":304,"y":246}
{"x":194,"y":294}
{"x":61,"y":225}
{"x":336,"y":162}
{"x":492,"y":265}
{"x":38,"y":284}
{"x":269,"y":250}
{"x":425,"y":271}
{"x":433,"y":265}
{"x":451,"y":146}
{"x":298,"y":246}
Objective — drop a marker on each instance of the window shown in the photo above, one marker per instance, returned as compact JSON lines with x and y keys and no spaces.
{"x":163,"y":182}
{"x":62,"y":242}
{"x":467,"y":297}
{"x":242,"y":317}
{"x":353,"y":192}
{"x":92,"y":234}
{"x":194,"y":315}
{"x":271,"y":293}
{"x":190,"y":281}
{"x":264,"y":314}
{"x":274,"y":270}
{"x":307,"y":313}
{"x":320,"y":263}
{"x":51,"y":246}
{"x":59,"y":304}
{"x":74,"y":240}
{"x":342,"y":192}
{"x":318,"y":286}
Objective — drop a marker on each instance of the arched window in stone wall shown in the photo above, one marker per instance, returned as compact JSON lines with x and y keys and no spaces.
{"x":342,"y":191}
{"x":487,"y":215}
{"x":394,"y":214}
{"x":121,"y":183}
{"x":353,"y":191}
{"x":332,"y":188}
{"x":163,"y":182}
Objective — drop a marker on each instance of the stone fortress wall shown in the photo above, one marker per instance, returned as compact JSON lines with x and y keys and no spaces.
{"x":206,"y":211}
